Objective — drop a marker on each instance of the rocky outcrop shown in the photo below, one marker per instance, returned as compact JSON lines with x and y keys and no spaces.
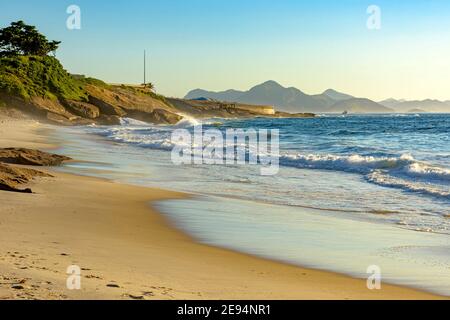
{"x":156,"y":116}
{"x":106,"y":108}
{"x":40,"y":87}
{"x":36,"y":106}
{"x":211,"y":108}
{"x":98,"y":109}
{"x":129,"y":98}
{"x":30,"y":157}
{"x":40,"y":108}
{"x":13,"y":178}
{"x":167,"y":117}
{"x":105,"y":120}
{"x":294,"y":115}
{"x":83,"y":109}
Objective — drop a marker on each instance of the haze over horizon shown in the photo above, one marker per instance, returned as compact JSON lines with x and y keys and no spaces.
{"x":220,"y":45}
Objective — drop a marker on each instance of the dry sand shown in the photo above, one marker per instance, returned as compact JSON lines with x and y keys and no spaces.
{"x":127,"y":250}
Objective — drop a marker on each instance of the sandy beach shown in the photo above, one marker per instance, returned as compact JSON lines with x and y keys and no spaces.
{"x":127,"y":250}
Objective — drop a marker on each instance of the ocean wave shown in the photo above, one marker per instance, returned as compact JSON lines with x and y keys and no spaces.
{"x":132,"y":122}
{"x":421,"y":170}
{"x":402,"y":172}
{"x":187,"y":122}
{"x":145,"y":136}
{"x":386,"y":180}
{"x":159,"y":137}
{"x":351,"y":163}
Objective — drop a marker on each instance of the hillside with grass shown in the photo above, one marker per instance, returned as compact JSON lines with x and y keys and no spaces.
{"x":39,"y":86}
{"x":31,"y":76}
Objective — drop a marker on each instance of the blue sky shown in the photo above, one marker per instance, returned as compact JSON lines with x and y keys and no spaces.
{"x":218,"y":44}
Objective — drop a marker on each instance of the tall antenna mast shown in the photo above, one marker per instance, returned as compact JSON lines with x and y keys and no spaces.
{"x":145,"y":68}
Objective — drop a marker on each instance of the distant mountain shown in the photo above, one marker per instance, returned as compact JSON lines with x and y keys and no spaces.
{"x":359,"y":105}
{"x":229,"y":95}
{"x":286,"y":99}
{"x":294,"y":100}
{"x":390,"y":103}
{"x":427,"y":105}
{"x":337,"y":96}
{"x":272,"y":93}
{"x":416,"y":111}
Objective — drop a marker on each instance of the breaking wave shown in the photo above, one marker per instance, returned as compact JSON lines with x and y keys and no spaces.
{"x":399,"y":172}
{"x":402,"y":172}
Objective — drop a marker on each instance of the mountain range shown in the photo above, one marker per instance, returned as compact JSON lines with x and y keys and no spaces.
{"x":427,"y":105}
{"x":294,"y":100}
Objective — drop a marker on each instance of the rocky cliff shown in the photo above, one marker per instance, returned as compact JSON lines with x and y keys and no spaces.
{"x":40,"y":87}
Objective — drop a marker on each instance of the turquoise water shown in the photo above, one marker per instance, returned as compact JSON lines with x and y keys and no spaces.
{"x":350,"y":191}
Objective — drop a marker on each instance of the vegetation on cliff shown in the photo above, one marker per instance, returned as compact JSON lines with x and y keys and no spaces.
{"x":26,"y":69}
{"x":39,"y":85}
{"x":43,"y":76}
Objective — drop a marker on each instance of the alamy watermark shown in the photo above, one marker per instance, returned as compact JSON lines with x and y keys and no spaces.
{"x":73,"y":281}
{"x":232,"y":147}
{"x":374,"y":280}
{"x":73,"y":22}
{"x":374,"y":20}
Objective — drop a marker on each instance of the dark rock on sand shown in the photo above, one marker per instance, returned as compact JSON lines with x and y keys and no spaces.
{"x":12,"y":178}
{"x":17,"y":287}
{"x":31,"y":157}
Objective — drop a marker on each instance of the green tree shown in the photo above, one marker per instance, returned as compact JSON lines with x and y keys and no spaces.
{"x":22,"y":39}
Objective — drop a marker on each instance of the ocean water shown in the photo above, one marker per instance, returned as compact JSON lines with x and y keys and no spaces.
{"x":386,"y":174}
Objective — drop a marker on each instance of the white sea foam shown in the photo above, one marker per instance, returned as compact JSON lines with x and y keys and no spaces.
{"x":187,"y":122}
{"x":142,"y":135}
{"x":132,"y":122}
{"x":386,"y":180}
{"x":158,"y":137}
{"x":351,"y":163}
{"x":403,"y":171}
{"x":421,"y":170}
{"x":399,"y":172}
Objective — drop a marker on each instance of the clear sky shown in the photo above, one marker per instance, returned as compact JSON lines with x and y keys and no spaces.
{"x":223,"y":44}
